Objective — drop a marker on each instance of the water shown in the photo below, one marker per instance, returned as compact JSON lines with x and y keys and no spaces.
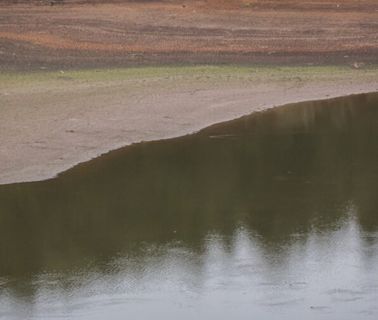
{"x":272,"y":216}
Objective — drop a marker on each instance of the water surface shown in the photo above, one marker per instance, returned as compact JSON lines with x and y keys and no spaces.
{"x":271,"y":216}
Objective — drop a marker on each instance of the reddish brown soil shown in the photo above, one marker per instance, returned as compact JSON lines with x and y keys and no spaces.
{"x":74,"y":34}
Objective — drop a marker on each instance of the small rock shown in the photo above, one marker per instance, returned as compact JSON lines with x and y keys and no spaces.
{"x":358,"y":65}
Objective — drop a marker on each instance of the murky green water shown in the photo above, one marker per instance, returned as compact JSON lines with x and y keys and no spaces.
{"x":272,"y":216}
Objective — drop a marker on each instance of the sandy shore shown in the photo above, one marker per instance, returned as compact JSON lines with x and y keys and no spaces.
{"x":52,"y":121}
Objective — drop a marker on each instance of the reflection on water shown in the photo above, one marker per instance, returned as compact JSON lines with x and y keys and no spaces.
{"x":271,"y":216}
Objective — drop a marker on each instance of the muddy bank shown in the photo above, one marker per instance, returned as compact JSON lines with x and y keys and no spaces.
{"x":51,"y":121}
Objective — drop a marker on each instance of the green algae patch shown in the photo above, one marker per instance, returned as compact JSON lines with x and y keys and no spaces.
{"x":186,"y":71}
{"x":172,"y":74}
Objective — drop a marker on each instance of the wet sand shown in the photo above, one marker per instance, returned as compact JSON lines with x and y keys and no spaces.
{"x":52,"y":121}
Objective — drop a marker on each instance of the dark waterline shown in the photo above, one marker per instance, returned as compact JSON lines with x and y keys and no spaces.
{"x":272,"y":216}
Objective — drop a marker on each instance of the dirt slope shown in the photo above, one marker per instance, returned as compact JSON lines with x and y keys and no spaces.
{"x":74,"y":34}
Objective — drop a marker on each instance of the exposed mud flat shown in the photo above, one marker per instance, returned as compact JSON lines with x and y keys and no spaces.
{"x":51,"y":121}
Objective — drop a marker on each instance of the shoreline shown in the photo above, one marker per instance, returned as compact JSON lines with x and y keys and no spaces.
{"x":53,"y":121}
